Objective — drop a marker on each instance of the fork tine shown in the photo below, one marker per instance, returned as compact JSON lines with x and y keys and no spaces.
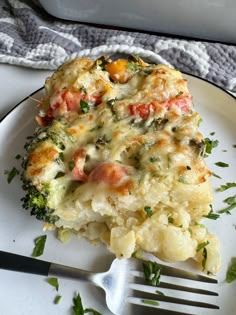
{"x":165,"y":285}
{"x":138,"y":309}
{"x":170,"y":299}
{"x":179,"y":273}
{"x":174,"y":272}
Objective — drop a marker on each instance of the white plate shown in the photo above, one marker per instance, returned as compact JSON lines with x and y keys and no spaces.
{"x":28,"y":294}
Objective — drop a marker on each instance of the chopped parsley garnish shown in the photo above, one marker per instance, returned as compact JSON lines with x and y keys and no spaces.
{"x":151,"y":302}
{"x":78,"y":308}
{"x":53,"y":282}
{"x":170,"y":220}
{"x":84,"y":106}
{"x":231,"y":201}
{"x":57,"y":299}
{"x":159,"y":124}
{"x":18,"y":156}
{"x":111,"y":104}
{"x":210,"y":145}
{"x":96,"y":128}
{"x":11,"y":174}
{"x":61,"y":156}
{"x":148,"y":210}
{"x":71,"y":165}
{"x":179,"y":94}
{"x":212,"y":133}
{"x":234,"y":145}
{"x":212,"y":215}
{"x":131,"y":66}
{"x":215,"y":175}
{"x":226,"y":186}
{"x":231,"y":272}
{"x":69,"y":135}
{"x":154,"y":159}
{"x":39,"y":245}
{"x":202,"y":245}
{"x":182,"y":180}
{"x":152,"y":273}
{"x":221,"y":164}
{"x":200,"y":120}
{"x":101,"y":62}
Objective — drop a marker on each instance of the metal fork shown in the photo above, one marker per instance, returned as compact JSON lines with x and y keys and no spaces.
{"x":124,"y":284}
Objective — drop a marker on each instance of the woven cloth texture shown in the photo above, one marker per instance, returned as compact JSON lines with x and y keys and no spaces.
{"x":31,"y":37}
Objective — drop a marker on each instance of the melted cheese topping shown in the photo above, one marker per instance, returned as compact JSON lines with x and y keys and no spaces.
{"x":124,"y":147}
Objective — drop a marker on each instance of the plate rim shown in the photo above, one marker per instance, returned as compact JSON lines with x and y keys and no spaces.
{"x":184,"y":72}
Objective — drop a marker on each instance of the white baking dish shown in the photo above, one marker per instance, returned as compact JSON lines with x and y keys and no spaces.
{"x":210,"y":19}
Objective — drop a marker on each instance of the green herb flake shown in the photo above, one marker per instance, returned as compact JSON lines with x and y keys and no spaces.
{"x":69,"y":135}
{"x":210,"y":145}
{"x":199,"y":224}
{"x":53,"y":282}
{"x":18,"y":156}
{"x":71,"y":165}
{"x":39,"y":245}
{"x":204,"y":260}
{"x":148,"y":210}
{"x":96,"y":128}
{"x":170,"y":220}
{"x":221,"y":164}
{"x":226,"y":186}
{"x":84,"y":106}
{"x":212,"y":133}
{"x":61,"y":156}
{"x":133,"y":67}
{"x":57,"y":299}
{"x":78,"y":308}
{"x":215,"y":175}
{"x":159,"y":292}
{"x":153,"y":159}
{"x":151,"y":302}
{"x":231,"y":201}
{"x":101,"y":62}
{"x":179,"y":94}
{"x":182,"y":180}
{"x":152,"y":273}
{"x":212,"y":215}
{"x":234,"y":145}
{"x":59,"y":174}
{"x":202,"y":246}
{"x":231,"y":272}
{"x":200,"y":120}
{"x":11,"y":174}
{"x":77,"y":305}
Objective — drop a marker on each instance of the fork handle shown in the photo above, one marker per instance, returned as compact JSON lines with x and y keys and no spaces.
{"x":15,"y":262}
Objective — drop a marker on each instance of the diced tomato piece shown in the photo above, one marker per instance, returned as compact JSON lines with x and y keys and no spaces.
{"x":108,"y":172}
{"x":96,"y":99}
{"x":143,"y":110}
{"x":184,"y":103}
{"x":78,"y":174}
{"x":72,"y":100}
{"x":79,"y":161}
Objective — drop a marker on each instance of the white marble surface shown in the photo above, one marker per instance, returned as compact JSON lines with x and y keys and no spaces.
{"x":16,"y":83}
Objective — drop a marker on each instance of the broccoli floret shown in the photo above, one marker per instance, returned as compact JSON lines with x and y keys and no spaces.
{"x":37,"y":202}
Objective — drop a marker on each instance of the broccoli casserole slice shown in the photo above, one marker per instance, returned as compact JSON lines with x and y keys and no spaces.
{"x":119,"y":159}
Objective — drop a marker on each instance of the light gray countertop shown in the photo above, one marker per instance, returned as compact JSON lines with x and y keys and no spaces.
{"x":16,"y":83}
